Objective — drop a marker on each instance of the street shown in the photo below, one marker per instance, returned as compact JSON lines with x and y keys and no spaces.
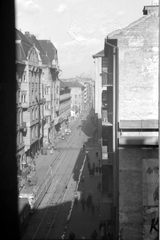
{"x":57,"y":214}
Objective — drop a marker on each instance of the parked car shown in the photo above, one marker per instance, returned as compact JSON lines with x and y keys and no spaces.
{"x":67,"y":131}
{"x":63,"y":137}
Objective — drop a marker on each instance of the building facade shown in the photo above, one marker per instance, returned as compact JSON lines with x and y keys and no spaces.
{"x":64,"y":107}
{"x":77,"y":101}
{"x":128,"y":72}
{"x":29,"y":81}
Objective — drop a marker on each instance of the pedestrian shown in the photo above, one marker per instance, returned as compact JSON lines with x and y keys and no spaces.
{"x":100,"y":225}
{"x":72,"y":236}
{"x":94,"y":235}
{"x":102,"y":232}
{"x":105,"y":229}
{"x":97,"y":170}
{"x":83,"y":202}
{"x":99,"y":186}
{"x":87,"y":204}
{"x":93,"y":209}
{"x":97,"y":154}
{"x":100,"y":170}
{"x":76,"y":199}
{"x":90,"y":198}
{"x":99,"y":162}
{"x":82,"y":181}
{"x":84,"y":147}
{"x":98,"y":206}
{"x":89,"y":165}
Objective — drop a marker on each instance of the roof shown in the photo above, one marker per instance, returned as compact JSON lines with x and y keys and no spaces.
{"x":74,"y":84}
{"x":50,"y":49}
{"x":126,"y":29}
{"x":23,"y":46}
{"x":33,"y":40}
{"x":63,"y":84}
{"x":99,"y":54}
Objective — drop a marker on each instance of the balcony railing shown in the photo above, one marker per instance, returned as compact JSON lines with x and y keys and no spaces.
{"x":107,"y":79}
{"x":107,"y":117}
{"x":23,"y":127}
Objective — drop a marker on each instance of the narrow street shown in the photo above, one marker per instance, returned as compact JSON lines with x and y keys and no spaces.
{"x":57,"y":214}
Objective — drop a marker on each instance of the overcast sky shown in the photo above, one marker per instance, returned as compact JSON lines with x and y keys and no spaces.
{"x":77,"y":28}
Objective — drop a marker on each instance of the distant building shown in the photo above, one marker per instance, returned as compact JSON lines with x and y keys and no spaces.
{"x":64,"y":107}
{"x":77,"y":101}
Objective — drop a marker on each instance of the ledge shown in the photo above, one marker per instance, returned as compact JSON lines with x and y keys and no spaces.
{"x":138,"y":141}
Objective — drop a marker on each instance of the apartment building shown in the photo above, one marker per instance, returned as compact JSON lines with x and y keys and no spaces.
{"x":88,"y":89}
{"x":127,"y":70}
{"x":77,"y":101}
{"x":21,"y":125}
{"x":51,"y":89}
{"x":64,"y":107}
{"x":29,"y":80}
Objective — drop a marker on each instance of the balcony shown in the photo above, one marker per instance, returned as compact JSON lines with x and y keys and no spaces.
{"x":65,"y":96}
{"x":107,"y":118}
{"x":107,"y":158}
{"x":25,"y":104}
{"x":107,"y":79}
{"x":42,"y":101}
{"x":23,"y":127}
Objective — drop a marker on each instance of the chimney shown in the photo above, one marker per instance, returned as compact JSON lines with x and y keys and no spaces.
{"x":27,"y":33}
{"x":151,"y":8}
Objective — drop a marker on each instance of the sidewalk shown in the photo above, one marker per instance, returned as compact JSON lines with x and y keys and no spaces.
{"x":83,"y":223}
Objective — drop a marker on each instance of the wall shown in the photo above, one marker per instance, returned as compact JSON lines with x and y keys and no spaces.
{"x":138,"y":69}
{"x":131,"y":190}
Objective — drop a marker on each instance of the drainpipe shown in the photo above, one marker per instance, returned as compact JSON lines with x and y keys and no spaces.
{"x":114,"y":142}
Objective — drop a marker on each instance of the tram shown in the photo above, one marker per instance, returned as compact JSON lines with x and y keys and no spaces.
{"x":23,"y":212}
{"x":35,"y":194}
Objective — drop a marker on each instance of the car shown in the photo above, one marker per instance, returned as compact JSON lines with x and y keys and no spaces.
{"x":67,"y":131}
{"x":63,"y":137}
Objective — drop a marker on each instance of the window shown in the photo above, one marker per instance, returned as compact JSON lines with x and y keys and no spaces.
{"x":47,"y":90}
{"x":57,"y":89}
{"x":24,"y":77}
{"x":37,"y":113}
{"x":33,"y":114}
{"x":18,"y":138}
{"x":47,"y":105}
{"x":24,"y":97}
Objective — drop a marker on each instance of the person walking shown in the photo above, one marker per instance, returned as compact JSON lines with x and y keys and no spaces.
{"x":83,"y":202}
{"x":102,"y":232}
{"x":97,"y":171}
{"x":87,"y":204}
{"x":82,"y":181}
{"x":99,"y":186}
{"x":76,"y":199}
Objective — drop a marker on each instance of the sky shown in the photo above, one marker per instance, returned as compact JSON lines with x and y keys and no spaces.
{"x":77,"y":28}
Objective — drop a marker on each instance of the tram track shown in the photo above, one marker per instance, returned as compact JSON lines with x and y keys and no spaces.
{"x":44,"y":219}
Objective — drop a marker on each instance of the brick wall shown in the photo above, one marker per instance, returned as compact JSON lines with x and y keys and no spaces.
{"x":131,"y":190}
